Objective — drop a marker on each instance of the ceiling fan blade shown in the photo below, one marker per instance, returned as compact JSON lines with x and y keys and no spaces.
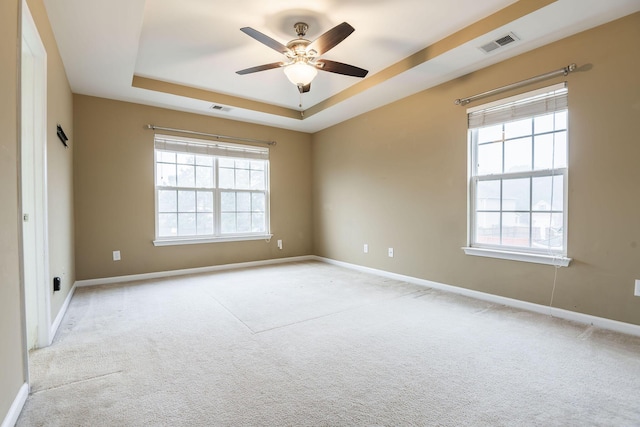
{"x":340,"y":68}
{"x":265,"y":39}
{"x":261,"y":68}
{"x":331,"y":38}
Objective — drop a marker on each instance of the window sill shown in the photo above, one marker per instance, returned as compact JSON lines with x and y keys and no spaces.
{"x":195,"y":241}
{"x":555,"y":260}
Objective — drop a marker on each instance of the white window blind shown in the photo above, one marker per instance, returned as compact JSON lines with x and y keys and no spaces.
{"x":549,"y":100}
{"x":191,"y":146}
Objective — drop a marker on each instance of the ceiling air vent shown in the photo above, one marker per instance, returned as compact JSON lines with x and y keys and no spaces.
{"x":498,"y":43}
{"x":220,"y":108}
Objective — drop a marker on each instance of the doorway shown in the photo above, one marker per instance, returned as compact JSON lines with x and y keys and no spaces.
{"x":33,"y":178}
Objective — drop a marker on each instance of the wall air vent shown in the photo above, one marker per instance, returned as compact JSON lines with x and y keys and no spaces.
{"x":498,"y":43}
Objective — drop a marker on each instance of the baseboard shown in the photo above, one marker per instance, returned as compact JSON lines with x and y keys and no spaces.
{"x":61,"y":313}
{"x":600,"y":322}
{"x":16,"y":407}
{"x":160,"y":274}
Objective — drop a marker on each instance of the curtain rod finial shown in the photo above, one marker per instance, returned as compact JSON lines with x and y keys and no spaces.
{"x":570,"y":68}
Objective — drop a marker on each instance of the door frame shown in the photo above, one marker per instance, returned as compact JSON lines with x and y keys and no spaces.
{"x":33,"y":46}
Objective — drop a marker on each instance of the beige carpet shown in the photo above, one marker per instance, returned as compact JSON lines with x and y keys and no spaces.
{"x":310,"y":344}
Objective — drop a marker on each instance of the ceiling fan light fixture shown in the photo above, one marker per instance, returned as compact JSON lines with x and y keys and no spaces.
{"x":300,"y":73}
{"x":302,"y":55}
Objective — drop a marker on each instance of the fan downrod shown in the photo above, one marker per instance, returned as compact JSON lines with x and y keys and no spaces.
{"x":301,"y":29}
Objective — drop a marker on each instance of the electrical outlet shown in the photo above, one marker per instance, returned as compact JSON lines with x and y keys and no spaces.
{"x":366,"y":248}
{"x":637,"y":291}
{"x":390,"y":252}
{"x":280,"y":244}
{"x":116,"y":255}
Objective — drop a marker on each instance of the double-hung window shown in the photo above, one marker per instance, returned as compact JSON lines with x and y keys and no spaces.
{"x":518,"y":178}
{"x":208,"y":191}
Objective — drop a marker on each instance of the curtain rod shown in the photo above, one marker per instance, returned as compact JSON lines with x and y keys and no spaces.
{"x":213,"y":135}
{"x":562,"y":71}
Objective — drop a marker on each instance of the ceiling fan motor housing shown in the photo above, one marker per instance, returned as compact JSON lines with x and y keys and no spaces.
{"x":298,"y":48}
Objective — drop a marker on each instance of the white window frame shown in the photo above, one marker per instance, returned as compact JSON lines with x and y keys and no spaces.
{"x":526,"y":254}
{"x":217,"y":151}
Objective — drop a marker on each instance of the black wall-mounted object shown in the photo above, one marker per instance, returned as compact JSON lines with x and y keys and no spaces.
{"x":62,"y":136}
{"x":57,"y":283}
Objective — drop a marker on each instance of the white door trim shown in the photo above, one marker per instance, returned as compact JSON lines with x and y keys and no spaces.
{"x":33,"y":46}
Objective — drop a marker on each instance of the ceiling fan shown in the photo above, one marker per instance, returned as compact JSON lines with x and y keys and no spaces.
{"x":303,"y":55}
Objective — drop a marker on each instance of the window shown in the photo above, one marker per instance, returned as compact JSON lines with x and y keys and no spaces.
{"x":518,"y":177}
{"x":210,"y":191}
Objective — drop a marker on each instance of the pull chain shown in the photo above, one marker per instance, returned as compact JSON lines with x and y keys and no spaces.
{"x":300,"y":105}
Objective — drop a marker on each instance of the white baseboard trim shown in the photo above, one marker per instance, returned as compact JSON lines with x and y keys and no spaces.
{"x":16,"y":407}
{"x":61,"y":313}
{"x":600,"y":322}
{"x":160,"y":274}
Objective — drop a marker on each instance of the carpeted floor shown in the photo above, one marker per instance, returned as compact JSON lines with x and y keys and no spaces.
{"x":311,"y":344}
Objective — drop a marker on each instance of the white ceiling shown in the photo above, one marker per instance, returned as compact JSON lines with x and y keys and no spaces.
{"x":198,"y":44}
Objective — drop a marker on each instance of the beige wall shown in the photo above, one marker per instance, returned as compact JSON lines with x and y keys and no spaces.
{"x":59,"y":163}
{"x":397,"y":177}
{"x":11,"y":330}
{"x":114,"y":191}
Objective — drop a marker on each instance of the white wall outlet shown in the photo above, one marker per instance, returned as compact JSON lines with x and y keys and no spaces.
{"x":637,"y":291}
{"x":116,"y":255}
{"x":366,"y":248}
{"x":390,"y":252}
{"x":280,"y":244}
